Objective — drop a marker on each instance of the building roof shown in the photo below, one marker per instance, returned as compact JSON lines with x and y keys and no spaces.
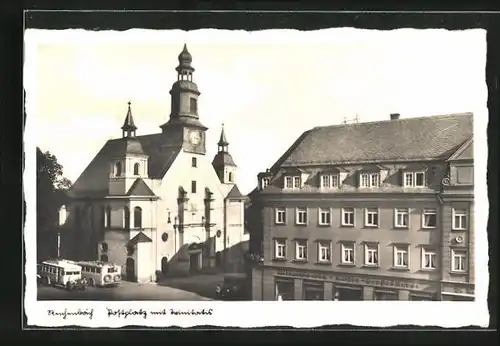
{"x":235,"y":194}
{"x":129,"y":124}
{"x":140,"y":188}
{"x":222,"y":159}
{"x":140,"y":238}
{"x":162,"y":149}
{"x":128,"y":145}
{"x":411,"y":139}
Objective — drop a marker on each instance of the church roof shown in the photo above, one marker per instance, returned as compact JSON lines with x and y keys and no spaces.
{"x":222,"y":140}
{"x":140,"y":238}
{"x":128,"y":145}
{"x":235,"y":193}
{"x":129,"y":124}
{"x":140,"y":188}
{"x":410,"y":139}
{"x":223,"y":159}
{"x":161,"y":149}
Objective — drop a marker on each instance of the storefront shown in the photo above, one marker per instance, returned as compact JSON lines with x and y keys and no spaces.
{"x":457,"y":291}
{"x":313,"y":290}
{"x":296,"y":284}
{"x":284,"y":289}
{"x":381,"y":294}
{"x":345,"y":293}
{"x":422,"y":296}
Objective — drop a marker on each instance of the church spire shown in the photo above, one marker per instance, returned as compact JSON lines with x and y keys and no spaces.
{"x":184,"y":69}
{"x":129,"y":128}
{"x":223,"y":143}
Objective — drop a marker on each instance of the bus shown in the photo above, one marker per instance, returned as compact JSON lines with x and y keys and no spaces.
{"x":61,"y":273}
{"x":100,"y":274}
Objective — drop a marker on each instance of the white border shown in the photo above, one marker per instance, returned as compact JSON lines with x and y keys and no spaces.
{"x":256,"y":313}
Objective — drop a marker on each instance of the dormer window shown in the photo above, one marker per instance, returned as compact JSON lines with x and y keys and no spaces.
{"x":369,"y":180}
{"x":265,"y":182}
{"x":413,"y":179}
{"x":329,"y":181}
{"x":292,"y":182}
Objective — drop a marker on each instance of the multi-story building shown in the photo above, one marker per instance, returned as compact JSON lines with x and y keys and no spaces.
{"x":368,"y":211}
{"x":155,"y":203}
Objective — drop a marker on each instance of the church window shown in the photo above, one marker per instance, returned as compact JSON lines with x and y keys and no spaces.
{"x":194,"y":162}
{"x":126,"y":218}
{"x":136,"y":168}
{"x":193,"y":186}
{"x":137,"y":217}
{"x":230,"y":176}
{"x":193,"y":105}
{"x":107,"y":217}
{"x":118,"y":169}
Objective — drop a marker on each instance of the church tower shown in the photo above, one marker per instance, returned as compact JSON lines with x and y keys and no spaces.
{"x":223,"y":161}
{"x":184,"y":121}
{"x":129,"y":161}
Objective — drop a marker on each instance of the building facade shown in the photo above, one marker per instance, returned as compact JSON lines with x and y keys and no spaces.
{"x":155,"y":204}
{"x":368,"y":211}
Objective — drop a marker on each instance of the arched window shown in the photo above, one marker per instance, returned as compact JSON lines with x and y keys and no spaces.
{"x":136,"y":169}
{"x":104,"y":258}
{"x":104,"y":247}
{"x":230,"y":175}
{"x":137,"y":217}
{"x":107,"y":217}
{"x":126,"y":217}
{"x":118,"y":169}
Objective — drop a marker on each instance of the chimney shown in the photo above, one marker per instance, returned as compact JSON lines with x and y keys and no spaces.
{"x":394,"y":116}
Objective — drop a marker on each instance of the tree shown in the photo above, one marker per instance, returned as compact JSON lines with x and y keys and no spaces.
{"x":52,"y":188}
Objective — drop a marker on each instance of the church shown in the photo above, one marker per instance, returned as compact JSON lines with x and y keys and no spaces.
{"x":155,"y":204}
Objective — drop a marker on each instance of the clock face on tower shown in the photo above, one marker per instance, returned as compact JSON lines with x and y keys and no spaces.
{"x":195,"y":137}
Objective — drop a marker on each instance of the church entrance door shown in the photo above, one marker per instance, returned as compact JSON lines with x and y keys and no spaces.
{"x":130,"y":274}
{"x":164,"y":266}
{"x":194,"y":262}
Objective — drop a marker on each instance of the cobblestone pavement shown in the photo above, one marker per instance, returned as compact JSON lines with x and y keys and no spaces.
{"x":125,"y":291}
{"x":204,"y":284}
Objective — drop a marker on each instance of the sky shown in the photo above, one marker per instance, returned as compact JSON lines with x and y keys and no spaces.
{"x":266,"y":87}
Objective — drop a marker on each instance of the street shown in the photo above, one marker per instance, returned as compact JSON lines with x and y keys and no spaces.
{"x":125,"y":291}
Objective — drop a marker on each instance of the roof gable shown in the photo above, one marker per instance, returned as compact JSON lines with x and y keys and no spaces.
{"x":424,"y":138}
{"x":140,"y":188}
{"x":465,"y":152}
{"x":235,"y":193}
{"x":140,"y":238}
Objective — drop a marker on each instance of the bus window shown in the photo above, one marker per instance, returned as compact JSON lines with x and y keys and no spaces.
{"x":98,"y":270}
{"x":112,"y":270}
{"x":62,"y":272}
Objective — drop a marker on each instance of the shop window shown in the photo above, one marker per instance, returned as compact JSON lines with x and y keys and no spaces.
{"x":348,"y":293}
{"x":385,"y":295}
{"x":313,"y":290}
{"x":285,"y":289}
